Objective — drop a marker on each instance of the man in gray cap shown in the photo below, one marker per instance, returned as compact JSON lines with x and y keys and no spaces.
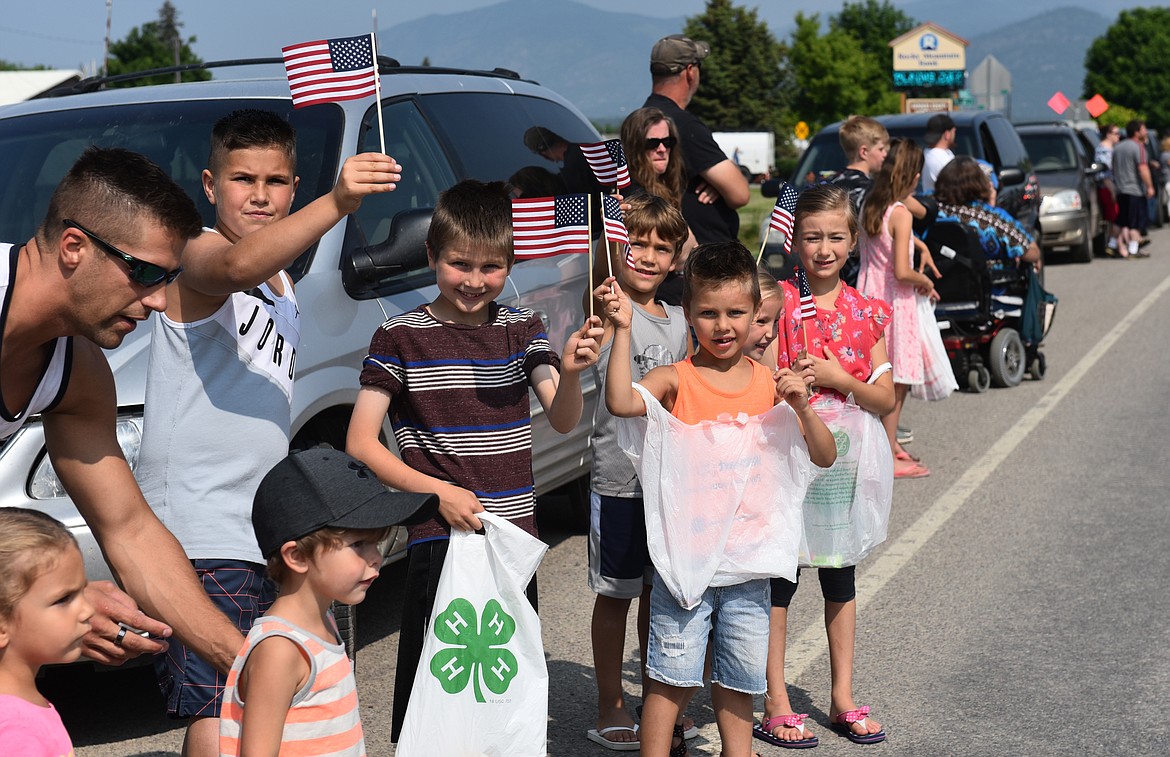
{"x":714,"y":185}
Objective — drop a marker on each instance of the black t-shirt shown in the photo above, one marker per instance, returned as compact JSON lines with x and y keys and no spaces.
{"x":856,"y":183}
{"x":717,"y":222}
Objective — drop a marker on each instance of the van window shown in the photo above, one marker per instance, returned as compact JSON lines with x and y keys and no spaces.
{"x":519,"y":143}
{"x":37,"y":150}
{"x":1011,"y":150}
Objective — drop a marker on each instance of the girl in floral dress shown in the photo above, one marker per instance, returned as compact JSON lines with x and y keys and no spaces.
{"x":846,"y":355}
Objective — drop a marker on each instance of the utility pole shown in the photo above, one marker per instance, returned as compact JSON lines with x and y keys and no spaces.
{"x":109,"y":14}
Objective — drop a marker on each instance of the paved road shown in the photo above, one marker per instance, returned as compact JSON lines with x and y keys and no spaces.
{"x":1019,"y":605}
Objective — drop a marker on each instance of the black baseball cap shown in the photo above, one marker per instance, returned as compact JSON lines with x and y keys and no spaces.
{"x":937,"y":125}
{"x":316,"y":488}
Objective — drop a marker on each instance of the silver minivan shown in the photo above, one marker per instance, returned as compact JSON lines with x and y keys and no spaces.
{"x":441,"y":125}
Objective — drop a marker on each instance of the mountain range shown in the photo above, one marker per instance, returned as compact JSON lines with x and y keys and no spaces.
{"x":599,"y":60}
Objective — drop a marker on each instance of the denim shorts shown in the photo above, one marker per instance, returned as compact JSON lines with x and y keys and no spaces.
{"x":735,"y":618}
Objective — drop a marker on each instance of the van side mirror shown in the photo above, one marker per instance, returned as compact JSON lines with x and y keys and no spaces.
{"x":403,"y":250}
{"x":1010,"y":177}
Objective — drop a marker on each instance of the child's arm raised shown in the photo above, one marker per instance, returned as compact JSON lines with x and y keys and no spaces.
{"x":901,"y":230}
{"x":621,"y":399}
{"x":275,"y":671}
{"x":877,"y":398}
{"x":559,"y":393}
{"x":458,"y":506}
{"x":822,"y":448}
{"x":212,"y":265}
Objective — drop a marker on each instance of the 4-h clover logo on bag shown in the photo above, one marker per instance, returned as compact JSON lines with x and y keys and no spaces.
{"x":478,"y":651}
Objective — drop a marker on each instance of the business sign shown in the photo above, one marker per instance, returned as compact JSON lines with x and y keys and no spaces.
{"x":921,"y":79}
{"x":929,"y":47}
{"x":927,"y":105}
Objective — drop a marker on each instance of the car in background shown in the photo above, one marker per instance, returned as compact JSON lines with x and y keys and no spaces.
{"x":442,"y":125}
{"x":1070,"y":214}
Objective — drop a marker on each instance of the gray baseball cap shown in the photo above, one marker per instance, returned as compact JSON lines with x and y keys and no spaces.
{"x":320,"y":487}
{"x":674,"y":53}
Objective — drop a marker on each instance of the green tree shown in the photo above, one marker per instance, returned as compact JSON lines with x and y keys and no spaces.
{"x":6,"y":65}
{"x":874,"y":24}
{"x":834,"y":78}
{"x":156,"y":44}
{"x":1127,"y":64}
{"x":743,"y":78}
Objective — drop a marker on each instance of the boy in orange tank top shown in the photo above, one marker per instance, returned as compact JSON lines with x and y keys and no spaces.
{"x":720,"y":298}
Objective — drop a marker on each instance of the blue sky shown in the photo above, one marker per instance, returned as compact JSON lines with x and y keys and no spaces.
{"x":70,"y":33}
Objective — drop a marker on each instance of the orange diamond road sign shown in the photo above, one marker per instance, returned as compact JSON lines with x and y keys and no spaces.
{"x":1059,"y":103}
{"x":1096,"y":105}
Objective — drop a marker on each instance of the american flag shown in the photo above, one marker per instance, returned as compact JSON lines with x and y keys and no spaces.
{"x":608,"y":161}
{"x":547,"y":226}
{"x":330,"y":70}
{"x":808,"y":304}
{"x":783,"y":215}
{"x":630,"y":258}
{"x":611,"y":215}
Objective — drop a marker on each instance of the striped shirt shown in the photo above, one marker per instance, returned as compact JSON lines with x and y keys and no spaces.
{"x":460,"y":409}
{"x":324,"y":719}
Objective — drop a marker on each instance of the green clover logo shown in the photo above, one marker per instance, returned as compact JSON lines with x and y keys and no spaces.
{"x":477,"y":649}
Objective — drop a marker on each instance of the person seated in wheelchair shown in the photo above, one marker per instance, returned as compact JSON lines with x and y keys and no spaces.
{"x":966,"y":196}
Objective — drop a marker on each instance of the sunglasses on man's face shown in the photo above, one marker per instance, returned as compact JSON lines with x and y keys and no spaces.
{"x":652,"y":143}
{"x":141,"y":272}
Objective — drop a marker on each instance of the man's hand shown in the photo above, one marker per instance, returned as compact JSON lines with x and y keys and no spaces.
{"x":365,"y":174}
{"x":583,"y":347}
{"x":458,"y":507}
{"x":112,"y":606}
{"x":707,"y":193}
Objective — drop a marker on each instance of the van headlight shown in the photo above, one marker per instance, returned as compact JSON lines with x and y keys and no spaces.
{"x":1061,"y":202}
{"x":44,"y":483}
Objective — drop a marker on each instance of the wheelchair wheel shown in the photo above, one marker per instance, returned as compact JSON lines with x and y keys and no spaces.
{"x":1038,"y":367}
{"x":1007,"y":358}
{"x":978,"y":379}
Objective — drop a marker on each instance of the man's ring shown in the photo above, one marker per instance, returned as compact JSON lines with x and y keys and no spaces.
{"x":121,"y":635}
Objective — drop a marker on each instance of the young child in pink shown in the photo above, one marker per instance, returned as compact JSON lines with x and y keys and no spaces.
{"x":44,"y":615}
{"x":887,"y":273}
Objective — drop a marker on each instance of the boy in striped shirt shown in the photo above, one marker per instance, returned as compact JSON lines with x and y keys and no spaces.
{"x":318,"y":516}
{"x":454,"y":376}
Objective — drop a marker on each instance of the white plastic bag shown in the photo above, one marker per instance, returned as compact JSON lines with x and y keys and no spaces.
{"x":847,"y":508}
{"x":482,"y":684}
{"x":722,"y":498}
{"x":938,"y":377}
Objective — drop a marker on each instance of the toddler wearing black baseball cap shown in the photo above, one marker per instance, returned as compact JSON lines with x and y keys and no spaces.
{"x":318,"y":516}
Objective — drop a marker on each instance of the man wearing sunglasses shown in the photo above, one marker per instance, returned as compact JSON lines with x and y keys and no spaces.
{"x":715,"y":187}
{"x":99,"y":265}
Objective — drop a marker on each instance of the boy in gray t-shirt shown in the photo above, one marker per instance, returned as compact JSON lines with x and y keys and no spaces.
{"x":618,"y":556}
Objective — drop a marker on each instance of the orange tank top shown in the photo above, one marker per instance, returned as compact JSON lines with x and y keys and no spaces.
{"x":699,"y":401}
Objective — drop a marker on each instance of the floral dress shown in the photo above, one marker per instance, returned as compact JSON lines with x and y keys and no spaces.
{"x":850,"y":330}
{"x":876,"y":280}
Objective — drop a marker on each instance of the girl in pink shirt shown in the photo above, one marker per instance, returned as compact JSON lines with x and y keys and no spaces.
{"x":44,"y":616}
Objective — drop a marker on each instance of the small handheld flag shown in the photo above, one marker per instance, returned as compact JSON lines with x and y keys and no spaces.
{"x":784,"y":214}
{"x":615,"y":226}
{"x":608,"y":161}
{"x":547,"y":226}
{"x":331,"y":70}
{"x":630,"y":258}
{"x":808,"y":304}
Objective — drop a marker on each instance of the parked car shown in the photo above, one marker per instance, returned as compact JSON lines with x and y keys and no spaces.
{"x":1070,"y":215}
{"x":442,"y":125}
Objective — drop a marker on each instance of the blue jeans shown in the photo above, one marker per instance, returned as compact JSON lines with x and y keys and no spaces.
{"x":735,"y":618}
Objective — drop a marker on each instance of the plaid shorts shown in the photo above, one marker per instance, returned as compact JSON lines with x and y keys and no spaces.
{"x":241,"y":591}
